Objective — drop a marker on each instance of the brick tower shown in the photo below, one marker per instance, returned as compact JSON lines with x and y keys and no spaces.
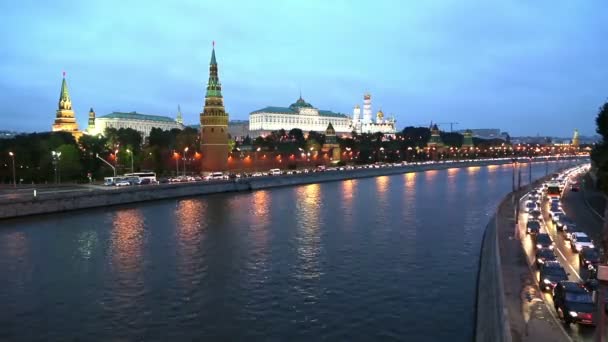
{"x":214,"y":124}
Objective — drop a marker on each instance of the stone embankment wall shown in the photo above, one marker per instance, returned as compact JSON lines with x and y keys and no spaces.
{"x":59,"y":202}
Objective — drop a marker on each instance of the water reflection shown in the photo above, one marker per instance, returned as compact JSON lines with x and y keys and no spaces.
{"x":471,"y":170}
{"x":430,"y":175}
{"x":348,"y":193}
{"x":87,"y":240}
{"x":15,"y":253}
{"x":382,"y":185}
{"x":191,"y":227}
{"x":126,"y":245}
{"x":308,"y":239}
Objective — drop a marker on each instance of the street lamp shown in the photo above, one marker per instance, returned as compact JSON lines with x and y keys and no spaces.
{"x":56,"y":157}
{"x":131,"y":153}
{"x":185,"y":151}
{"x":14,"y":174}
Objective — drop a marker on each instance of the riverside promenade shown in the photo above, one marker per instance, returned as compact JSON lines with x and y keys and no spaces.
{"x":27,"y":204}
{"x":509,"y":303}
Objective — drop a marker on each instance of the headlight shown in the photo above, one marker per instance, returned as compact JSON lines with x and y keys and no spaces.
{"x":539,"y":246}
{"x":552,"y":246}
{"x":573,"y":314}
{"x":578,"y":247}
{"x":591,"y":246}
{"x":540,"y":261}
{"x":547,"y":281}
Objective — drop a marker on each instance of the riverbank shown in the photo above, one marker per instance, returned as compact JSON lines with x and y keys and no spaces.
{"x":91,"y":198}
{"x":509,"y":304}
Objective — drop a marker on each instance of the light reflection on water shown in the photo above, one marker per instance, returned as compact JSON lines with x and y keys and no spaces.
{"x":353,"y":260}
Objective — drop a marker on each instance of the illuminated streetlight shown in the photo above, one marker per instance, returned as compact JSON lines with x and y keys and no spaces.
{"x":131,"y":153}
{"x":14,"y":174}
{"x":56,"y":157}
{"x":185,"y":151}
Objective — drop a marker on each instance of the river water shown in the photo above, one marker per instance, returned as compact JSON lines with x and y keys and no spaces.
{"x":386,"y":258}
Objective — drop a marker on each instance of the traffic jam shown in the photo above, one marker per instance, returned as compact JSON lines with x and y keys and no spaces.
{"x":562,"y":256}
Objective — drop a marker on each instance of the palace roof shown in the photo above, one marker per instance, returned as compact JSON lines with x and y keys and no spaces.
{"x":137,"y":116}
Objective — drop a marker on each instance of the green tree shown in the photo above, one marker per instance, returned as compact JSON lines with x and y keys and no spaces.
{"x":69,"y":164}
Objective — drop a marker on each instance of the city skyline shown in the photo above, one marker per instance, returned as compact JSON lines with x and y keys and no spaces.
{"x":534,"y":68}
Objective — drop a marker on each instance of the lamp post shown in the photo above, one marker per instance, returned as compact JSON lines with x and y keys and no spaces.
{"x":14,"y":174}
{"x":131,"y":153}
{"x":176,"y":156}
{"x":185,"y":151}
{"x":56,"y":157}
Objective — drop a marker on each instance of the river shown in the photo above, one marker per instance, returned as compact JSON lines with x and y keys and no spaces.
{"x":385,"y":258}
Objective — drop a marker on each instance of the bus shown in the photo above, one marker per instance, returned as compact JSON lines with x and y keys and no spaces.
{"x":554,"y":190}
{"x":142,"y":175}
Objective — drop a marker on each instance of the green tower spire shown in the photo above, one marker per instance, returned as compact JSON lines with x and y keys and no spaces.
{"x":64,"y":96}
{"x":214,"y":87}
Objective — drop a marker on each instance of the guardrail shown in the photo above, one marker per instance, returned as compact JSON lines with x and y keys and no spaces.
{"x":491,"y":323}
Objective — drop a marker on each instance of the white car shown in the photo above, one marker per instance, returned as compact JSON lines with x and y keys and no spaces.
{"x":122,"y":183}
{"x":579,"y":240}
{"x":215,"y":176}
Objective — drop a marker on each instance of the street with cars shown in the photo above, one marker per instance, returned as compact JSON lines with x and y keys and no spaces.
{"x":558,"y":239}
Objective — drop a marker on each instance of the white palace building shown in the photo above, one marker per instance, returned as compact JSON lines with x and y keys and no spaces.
{"x":143,"y":123}
{"x":300,"y":115}
{"x":304,"y":116}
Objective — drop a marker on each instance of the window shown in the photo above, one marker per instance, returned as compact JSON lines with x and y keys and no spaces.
{"x":211,"y":129}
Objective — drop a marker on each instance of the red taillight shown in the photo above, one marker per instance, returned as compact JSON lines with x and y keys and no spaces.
{"x":585,"y":316}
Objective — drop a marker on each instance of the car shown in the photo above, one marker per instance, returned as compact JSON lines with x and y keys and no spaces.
{"x":215,"y":176}
{"x":571,"y":230}
{"x":588,"y":257}
{"x":574,"y":187}
{"x":122,"y":183}
{"x":563,"y":222}
{"x":544,"y":255}
{"x":535,"y":215}
{"x":573,"y":303}
{"x":550,"y":274}
{"x":144,"y":181}
{"x":580,"y":240}
{"x":532,"y":227}
{"x":555,"y":202}
{"x":555,"y":211}
{"x":531,"y":206}
{"x":543,"y":240}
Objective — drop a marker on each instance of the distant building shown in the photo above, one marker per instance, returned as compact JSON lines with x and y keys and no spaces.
{"x":467,"y":141}
{"x":367,"y":124}
{"x":435,"y":140}
{"x":575,"y":139}
{"x":331,"y":145}
{"x":8,"y":134}
{"x":143,"y":123}
{"x":65,"y":120}
{"x":300,"y":114}
{"x":238,"y":129}
{"x":487,"y":133}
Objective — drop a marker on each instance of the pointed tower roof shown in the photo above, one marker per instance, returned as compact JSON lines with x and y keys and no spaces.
{"x":91,"y":110}
{"x":214,"y":87}
{"x":65,"y":103}
{"x":330,"y":130}
{"x":179,"y":119}
{"x":213,"y":62}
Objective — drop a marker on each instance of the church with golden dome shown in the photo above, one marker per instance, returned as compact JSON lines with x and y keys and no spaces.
{"x":367,"y":124}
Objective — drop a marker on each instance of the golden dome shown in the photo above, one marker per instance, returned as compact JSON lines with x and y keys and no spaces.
{"x":380,"y":114}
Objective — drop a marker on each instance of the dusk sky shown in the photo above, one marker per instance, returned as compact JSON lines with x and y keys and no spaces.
{"x":527,"y":67}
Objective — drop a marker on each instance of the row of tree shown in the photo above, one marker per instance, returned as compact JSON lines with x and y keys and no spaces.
{"x":164,"y":152}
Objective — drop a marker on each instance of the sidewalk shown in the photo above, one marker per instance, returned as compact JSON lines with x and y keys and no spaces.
{"x":594,"y":198}
{"x":529,"y":317}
